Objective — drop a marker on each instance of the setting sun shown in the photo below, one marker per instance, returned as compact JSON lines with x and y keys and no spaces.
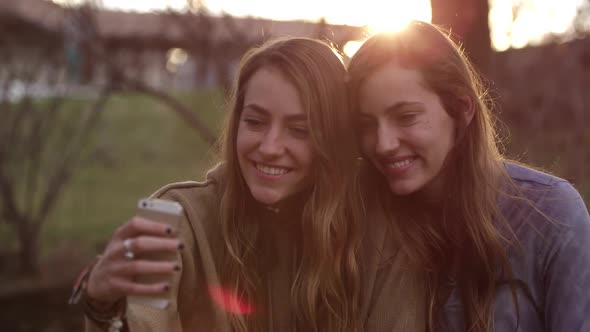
{"x":375,"y":15}
{"x":379,"y":16}
{"x":397,"y":14}
{"x":508,"y":27}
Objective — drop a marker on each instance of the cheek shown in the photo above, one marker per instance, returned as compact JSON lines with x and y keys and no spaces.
{"x":240,"y":142}
{"x":303,"y":154}
{"x":245,"y":140}
{"x":368,"y":142}
{"x":306,"y":155}
{"x":444,"y":140}
{"x":449,"y":131}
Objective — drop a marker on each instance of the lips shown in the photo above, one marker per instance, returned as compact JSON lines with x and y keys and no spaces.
{"x":271,"y":170}
{"x":397,"y":165}
{"x":400,"y":164}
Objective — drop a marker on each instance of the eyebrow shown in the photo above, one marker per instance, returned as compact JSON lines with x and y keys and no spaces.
{"x":256,"y":108}
{"x":399,"y":105}
{"x":263,"y":111}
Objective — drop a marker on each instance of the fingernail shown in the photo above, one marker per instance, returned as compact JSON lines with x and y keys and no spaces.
{"x":176,"y":268}
{"x":180,"y":246}
{"x":168,"y":230}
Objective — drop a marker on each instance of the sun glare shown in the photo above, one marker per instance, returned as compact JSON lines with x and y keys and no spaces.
{"x":395,"y":15}
{"x":133,"y":5}
{"x":530,"y":23}
{"x":509,"y":28}
{"x":391,"y":16}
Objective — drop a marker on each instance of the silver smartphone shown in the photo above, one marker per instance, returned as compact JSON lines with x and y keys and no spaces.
{"x":167,"y":212}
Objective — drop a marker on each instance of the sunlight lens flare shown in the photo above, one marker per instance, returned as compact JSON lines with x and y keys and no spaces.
{"x":229,"y":301}
{"x":352,"y":47}
{"x":392,"y":16}
{"x":398,"y":14}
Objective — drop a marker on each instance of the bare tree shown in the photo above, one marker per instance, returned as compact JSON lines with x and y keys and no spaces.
{"x":44,"y":139}
{"x":43,"y":142}
{"x":120,"y":80}
{"x":202,"y":42}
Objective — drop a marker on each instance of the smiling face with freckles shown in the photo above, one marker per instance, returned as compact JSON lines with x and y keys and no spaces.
{"x":405,"y":131}
{"x":273,"y":147}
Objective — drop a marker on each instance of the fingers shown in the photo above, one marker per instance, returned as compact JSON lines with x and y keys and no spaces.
{"x":145,"y":268}
{"x":143,"y":277}
{"x":141,"y":226}
{"x":126,"y":286}
{"x":144,"y":246}
{"x":113,"y":288}
{"x":139,"y":260}
{"x":112,"y":280}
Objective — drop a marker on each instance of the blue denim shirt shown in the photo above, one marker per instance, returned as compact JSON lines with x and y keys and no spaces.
{"x":550,"y":258}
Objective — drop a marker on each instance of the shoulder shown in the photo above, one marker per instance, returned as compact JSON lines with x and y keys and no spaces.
{"x":200,"y":200}
{"x":527,"y":176}
{"x":193,"y":191}
{"x":540,"y":187}
{"x":538,"y":196}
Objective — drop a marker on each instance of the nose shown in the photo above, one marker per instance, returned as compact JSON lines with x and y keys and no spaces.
{"x":271,"y":143}
{"x":387,"y":140}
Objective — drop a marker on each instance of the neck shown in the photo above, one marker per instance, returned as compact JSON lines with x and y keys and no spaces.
{"x":285,"y":214}
{"x":292,"y":205}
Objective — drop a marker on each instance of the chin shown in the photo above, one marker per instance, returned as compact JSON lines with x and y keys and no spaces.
{"x":402,"y":189}
{"x":266,"y":197}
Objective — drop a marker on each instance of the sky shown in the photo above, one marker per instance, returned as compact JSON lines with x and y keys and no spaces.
{"x":536,"y":18}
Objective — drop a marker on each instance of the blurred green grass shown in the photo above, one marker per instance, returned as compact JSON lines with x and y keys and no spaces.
{"x":142,"y":146}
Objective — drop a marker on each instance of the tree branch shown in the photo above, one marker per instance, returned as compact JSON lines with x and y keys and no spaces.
{"x":71,"y":157}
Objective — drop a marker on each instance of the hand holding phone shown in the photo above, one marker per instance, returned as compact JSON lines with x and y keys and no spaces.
{"x":167,"y":212}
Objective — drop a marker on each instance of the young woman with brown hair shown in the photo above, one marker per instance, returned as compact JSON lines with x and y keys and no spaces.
{"x":503,"y":247}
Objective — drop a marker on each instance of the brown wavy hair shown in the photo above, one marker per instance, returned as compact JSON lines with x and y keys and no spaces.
{"x":325,"y":292}
{"x":464,"y":236}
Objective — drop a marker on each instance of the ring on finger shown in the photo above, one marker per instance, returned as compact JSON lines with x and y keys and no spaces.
{"x":129,"y":254}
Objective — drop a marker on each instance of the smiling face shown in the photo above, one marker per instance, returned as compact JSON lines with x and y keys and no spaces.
{"x":274,"y":152}
{"x":405,"y":131}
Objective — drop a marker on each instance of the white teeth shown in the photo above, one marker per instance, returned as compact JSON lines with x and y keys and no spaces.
{"x":271,"y":170}
{"x":400,"y":164}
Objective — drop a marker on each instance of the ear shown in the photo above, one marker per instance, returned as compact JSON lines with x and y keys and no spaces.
{"x":467,"y":108}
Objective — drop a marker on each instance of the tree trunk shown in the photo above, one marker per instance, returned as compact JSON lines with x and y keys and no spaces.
{"x":468,"y":21}
{"x":29,"y":247}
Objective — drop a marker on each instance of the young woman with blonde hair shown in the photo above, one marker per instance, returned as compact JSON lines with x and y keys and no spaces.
{"x":278,"y":237}
{"x":503,"y":247}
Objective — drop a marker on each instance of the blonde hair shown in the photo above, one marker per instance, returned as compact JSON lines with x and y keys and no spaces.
{"x":326,"y":288}
{"x":468,"y":241}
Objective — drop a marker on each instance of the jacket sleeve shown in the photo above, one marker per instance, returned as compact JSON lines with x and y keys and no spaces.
{"x":565,"y":264}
